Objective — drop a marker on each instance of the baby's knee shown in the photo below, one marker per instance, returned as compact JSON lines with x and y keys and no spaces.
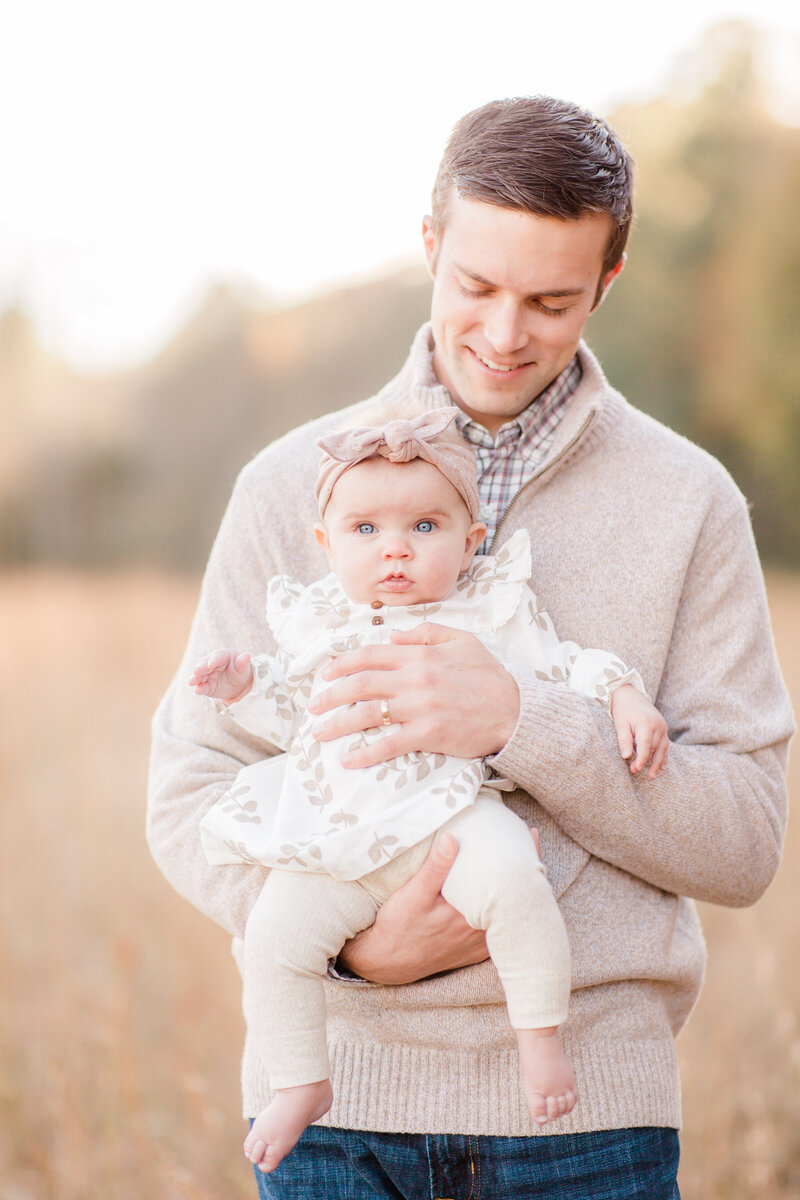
{"x":502,"y":888}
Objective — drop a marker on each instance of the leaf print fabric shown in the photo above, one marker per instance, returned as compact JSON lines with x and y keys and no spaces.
{"x":302,"y":810}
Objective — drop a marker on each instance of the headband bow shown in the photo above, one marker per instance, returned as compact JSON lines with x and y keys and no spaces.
{"x":430,"y":437}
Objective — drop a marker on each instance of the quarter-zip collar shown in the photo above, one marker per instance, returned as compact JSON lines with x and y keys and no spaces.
{"x":591,"y":411}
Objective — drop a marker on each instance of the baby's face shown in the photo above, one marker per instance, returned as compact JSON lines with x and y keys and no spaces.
{"x":397,"y":533}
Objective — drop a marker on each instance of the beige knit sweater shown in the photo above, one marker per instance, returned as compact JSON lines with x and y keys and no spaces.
{"x":642,"y":545}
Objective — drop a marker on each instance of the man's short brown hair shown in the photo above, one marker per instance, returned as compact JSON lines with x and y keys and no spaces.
{"x":542,"y":156}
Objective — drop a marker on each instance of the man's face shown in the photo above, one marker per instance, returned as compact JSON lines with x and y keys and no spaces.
{"x":511,"y":295}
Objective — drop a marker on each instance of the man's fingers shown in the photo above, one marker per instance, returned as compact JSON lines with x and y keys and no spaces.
{"x":433,"y":872}
{"x":355,"y":718}
{"x":382,"y":657}
{"x":427,"y":634}
{"x":388,"y":656}
{"x":362,"y":686}
{"x":382,"y":750}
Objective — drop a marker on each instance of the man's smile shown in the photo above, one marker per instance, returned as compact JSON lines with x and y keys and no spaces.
{"x":504,"y":368}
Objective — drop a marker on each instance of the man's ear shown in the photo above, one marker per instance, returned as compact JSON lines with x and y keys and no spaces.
{"x":431,"y":243}
{"x":321,"y":534}
{"x":608,"y":280}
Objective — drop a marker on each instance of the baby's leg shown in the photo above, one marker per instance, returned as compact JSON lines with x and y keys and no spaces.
{"x":498,"y":883}
{"x":299,"y":921}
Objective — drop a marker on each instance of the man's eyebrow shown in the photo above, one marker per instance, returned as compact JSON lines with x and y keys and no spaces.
{"x":556,"y":293}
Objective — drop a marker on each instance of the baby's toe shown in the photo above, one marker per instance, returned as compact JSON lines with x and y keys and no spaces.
{"x":254,"y":1149}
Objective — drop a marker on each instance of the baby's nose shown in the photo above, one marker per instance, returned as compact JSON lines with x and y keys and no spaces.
{"x":396,"y":547}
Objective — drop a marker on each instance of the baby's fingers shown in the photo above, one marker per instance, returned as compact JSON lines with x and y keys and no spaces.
{"x":624,"y":739}
{"x":199,"y":675}
{"x":660,"y":752}
{"x":205,"y":671}
{"x":218,"y":661}
{"x":241,"y":664}
{"x":644,"y":746}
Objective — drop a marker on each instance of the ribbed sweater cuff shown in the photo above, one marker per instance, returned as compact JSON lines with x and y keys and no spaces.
{"x":553,"y":733}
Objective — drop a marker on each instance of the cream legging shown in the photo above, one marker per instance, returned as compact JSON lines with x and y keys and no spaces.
{"x":302,"y":919}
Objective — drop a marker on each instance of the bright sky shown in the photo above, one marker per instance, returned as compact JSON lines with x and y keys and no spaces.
{"x":148,"y":149}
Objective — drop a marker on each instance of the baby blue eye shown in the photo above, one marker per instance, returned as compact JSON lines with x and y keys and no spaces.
{"x":424,"y":526}
{"x":366,"y":527}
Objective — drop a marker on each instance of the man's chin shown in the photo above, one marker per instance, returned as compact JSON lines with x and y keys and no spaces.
{"x":495,"y":406}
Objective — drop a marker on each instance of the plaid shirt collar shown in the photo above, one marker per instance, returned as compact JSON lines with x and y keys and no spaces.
{"x":510,"y":459}
{"x":507,"y":461}
{"x":526,"y":433}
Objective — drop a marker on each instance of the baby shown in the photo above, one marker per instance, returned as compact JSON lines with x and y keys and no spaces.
{"x":399,"y":524}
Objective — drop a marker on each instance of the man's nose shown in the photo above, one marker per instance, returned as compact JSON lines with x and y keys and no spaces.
{"x":504,"y":328}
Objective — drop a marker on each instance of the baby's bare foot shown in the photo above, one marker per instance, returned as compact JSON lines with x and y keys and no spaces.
{"x":549,"y":1083}
{"x":276,"y":1130}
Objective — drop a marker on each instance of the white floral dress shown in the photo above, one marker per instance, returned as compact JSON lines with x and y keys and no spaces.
{"x":305,"y":812}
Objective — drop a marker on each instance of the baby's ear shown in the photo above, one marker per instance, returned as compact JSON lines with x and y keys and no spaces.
{"x":321,"y":534}
{"x":475,"y":535}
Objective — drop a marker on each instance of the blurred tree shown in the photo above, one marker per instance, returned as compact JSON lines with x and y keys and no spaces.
{"x":701,"y":331}
{"x":703,"y":328}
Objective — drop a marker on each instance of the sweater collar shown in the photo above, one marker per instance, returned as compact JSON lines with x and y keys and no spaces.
{"x":590,"y":408}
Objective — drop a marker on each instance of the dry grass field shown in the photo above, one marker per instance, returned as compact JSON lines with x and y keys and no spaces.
{"x":120,"y":1025}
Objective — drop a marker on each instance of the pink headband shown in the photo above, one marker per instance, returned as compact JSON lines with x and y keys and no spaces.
{"x":428,"y":437}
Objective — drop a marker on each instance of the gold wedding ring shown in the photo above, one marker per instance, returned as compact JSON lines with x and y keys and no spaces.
{"x":385,"y":718}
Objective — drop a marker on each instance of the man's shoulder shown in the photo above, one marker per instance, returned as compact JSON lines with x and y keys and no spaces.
{"x":667,"y":453}
{"x":647,"y":448}
{"x":628,"y":435}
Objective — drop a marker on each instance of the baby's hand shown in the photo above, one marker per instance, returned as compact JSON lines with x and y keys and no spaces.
{"x":641,"y":730}
{"x":224,"y":675}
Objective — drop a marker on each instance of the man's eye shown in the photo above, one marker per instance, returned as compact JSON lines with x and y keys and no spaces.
{"x":472,"y":293}
{"x":424,"y":526}
{"x":549,"y":311}
{"x":365,"y":527}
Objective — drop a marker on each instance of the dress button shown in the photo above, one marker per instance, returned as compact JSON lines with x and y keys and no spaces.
{"x":377,"y":620}
{"x":377,"y":604}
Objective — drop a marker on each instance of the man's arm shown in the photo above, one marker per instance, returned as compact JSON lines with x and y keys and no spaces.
{"x":711,"y":825}
{"x":196,"y":753}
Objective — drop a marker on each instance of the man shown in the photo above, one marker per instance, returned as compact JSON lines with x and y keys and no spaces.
{"x":641,"y":544}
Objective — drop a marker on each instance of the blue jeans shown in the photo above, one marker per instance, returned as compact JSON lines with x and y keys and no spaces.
{"x":345,"y":1164}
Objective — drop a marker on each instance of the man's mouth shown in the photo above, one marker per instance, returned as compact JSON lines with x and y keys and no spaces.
{"x":495,"y":366}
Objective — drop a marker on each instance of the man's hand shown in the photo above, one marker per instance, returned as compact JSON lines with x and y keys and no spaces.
{"x":445,"y":691}
{"x":416,"y":932}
